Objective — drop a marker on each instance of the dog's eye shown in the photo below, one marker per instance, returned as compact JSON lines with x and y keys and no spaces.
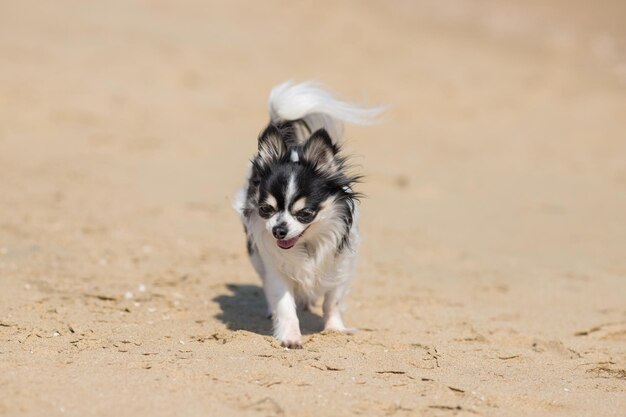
{"x":266,"y":210}
{"x":305,"y":215}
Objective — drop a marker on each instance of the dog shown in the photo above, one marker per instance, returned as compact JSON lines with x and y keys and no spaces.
{"x":299,"y":209}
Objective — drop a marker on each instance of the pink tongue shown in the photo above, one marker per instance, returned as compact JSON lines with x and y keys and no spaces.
{"x":286,"y":244}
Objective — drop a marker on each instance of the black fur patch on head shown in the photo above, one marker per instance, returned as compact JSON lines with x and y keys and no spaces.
{"x":319,"y":172}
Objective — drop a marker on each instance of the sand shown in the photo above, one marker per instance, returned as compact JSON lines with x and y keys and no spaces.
{"x":492,"y":278}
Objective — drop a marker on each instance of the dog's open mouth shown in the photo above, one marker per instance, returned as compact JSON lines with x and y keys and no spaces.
{"x":290,"y":243}
{"x":287,"y":244}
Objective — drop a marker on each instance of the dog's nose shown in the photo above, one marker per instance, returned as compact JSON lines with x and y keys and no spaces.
{"x":280,"y":231}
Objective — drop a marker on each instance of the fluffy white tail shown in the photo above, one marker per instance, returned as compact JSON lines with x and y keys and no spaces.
{"x":315,"y":105}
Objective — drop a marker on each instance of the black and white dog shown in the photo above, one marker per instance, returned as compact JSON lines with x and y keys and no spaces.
{"x":299,"y":209}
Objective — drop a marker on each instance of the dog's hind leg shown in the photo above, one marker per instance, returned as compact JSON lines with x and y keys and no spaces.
{"x":332,"y":316}
{"x":333,"y":305}
{"x":332,"y":308}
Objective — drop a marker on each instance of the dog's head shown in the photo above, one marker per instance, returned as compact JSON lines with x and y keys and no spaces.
{"x":301,"y":190}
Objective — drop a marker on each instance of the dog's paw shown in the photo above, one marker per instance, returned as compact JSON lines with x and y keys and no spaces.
{"x":333,"y":323}
{"x":342,"y":330}
{"x":291,"y":344}
{"x":288,"y":334}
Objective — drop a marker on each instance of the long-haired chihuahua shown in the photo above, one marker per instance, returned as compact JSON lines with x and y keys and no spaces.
{"x":299,"y":209}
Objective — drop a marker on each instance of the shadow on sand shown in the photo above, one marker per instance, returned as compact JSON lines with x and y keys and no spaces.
{"x":245,"y":309}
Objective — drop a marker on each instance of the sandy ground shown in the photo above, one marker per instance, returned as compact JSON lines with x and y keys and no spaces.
{"x":492,"y":279}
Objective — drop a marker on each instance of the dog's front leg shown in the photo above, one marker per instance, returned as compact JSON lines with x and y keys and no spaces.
{"x":283,"y":306}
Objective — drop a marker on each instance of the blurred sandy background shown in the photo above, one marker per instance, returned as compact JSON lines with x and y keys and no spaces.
{"x":493,"y":274}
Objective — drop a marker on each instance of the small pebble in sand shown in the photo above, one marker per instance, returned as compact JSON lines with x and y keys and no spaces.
{"x":402,"y":181}
{"x":128,"y":295}
{"x":55,"y":334}
{"x":141,"y":288}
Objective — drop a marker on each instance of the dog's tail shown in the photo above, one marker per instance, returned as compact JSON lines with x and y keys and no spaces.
{"x":317,"y":108}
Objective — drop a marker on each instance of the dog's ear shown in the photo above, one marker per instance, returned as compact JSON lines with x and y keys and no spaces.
{"x":271,"y":146}
{"x":320,"y":151}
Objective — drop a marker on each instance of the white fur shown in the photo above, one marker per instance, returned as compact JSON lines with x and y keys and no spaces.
{"x":298,"y":205}
{"x":307,"y":271}
{"x":312,"y":268}
{"x":318,"y":107}
{"x":271,"y":201}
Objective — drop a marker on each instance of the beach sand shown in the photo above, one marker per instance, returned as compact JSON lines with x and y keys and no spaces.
{"x":492,"y":275}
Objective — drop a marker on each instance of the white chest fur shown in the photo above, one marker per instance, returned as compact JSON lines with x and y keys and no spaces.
{"x":313,"y":266}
